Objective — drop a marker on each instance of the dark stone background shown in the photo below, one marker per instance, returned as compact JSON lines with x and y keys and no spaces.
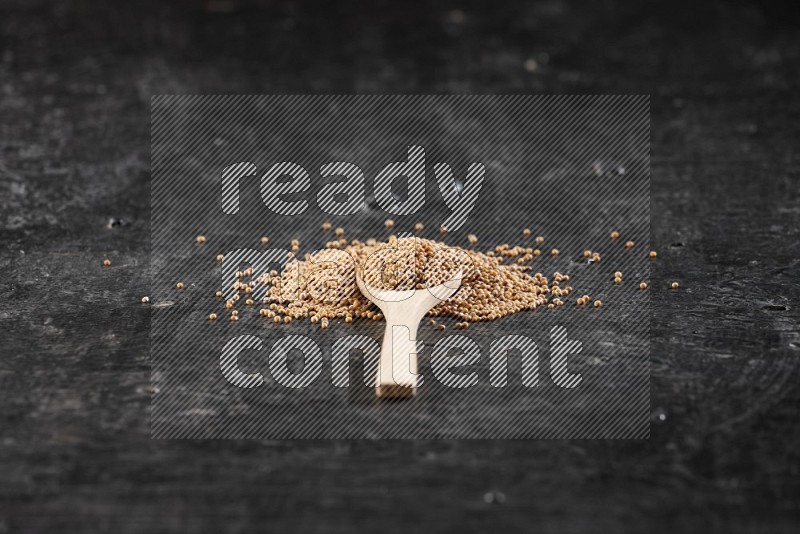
{"x":75,"y":85}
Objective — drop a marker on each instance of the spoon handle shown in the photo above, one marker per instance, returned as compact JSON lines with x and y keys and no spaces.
{"x":397,"y":373}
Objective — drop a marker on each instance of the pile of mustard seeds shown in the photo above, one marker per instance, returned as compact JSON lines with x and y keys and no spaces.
{"x":322,"y":286}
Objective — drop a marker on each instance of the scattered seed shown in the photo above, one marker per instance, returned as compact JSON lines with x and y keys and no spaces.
{"x":443,"y":230}
{"x":326,"y":226}
{"x":212,"y":316}
{"x":618,"y":274}
{"x":675,"y":285}
{"x":472,"y":238}
{"x":653,"y":254}
{"x":106,"y":262}
{"x":643,"y":285}
{"x":526,"y":232}
{"x":441,"y":327}
{"x":234,"y":317}
{"x":554,"y":252}
{"x":618,"y":280}
{"x":539,"y":239}
{"x":220,"y":257}
{"x":339,"y":231}
{"x":629,"y":244}
{"x":200,"y":239}
{"x":264,"y":240}
{"x":145,"y":300}
{"x":249,"y":302}
{"x":614,"y":235}
{"x":179,"y":285}
{"x":389,"y":224}
{"x":598,"y":303}
{"x":587,"y":253}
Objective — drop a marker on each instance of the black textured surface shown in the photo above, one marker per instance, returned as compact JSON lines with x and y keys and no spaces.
{"x":76,"y":80}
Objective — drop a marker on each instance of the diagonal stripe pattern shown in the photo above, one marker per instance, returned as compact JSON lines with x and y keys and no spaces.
{"x":236,"y":168}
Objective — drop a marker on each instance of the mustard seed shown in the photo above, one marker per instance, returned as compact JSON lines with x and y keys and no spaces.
{"x":264,"y":240}
{"x":179,"y":285}
{"x":554,"y":252}
{"x":287,"y":320}
{"x":675,"y":285}
{"x":539,"y":239}
{"x":234,"y":317}
{"x":200,"y":239}
{"x":629,"y":244}
{"x":212,"y":316}
{"x":441,"y":327}
{"x":339,"y":231}
{"x":106,"y":262}
{"x":598,"y":303}
{"x":618,"y":274}
{"x":618,"y":280}
{"x":218,"y":294}
{"x":229,"y":304}
{"x":443,"y":230}
{"x":145,"y":300}
{"x":276,"y":319}
{"x":526,"y":232}
{"x":249,"y":302}
{"x":220,"y":257}
{"x":326,"y":226}
{"x":234,"y":313}
{"x":472,"y":239}
{"x":389,"y":224}
{"x":614,"y":235}
{"x":587,"y":253}
{"x":643,"y":285}
{"x":653,"y":254}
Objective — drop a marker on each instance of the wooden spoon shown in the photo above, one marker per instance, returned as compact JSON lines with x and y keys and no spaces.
{"x":403,"y":310}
